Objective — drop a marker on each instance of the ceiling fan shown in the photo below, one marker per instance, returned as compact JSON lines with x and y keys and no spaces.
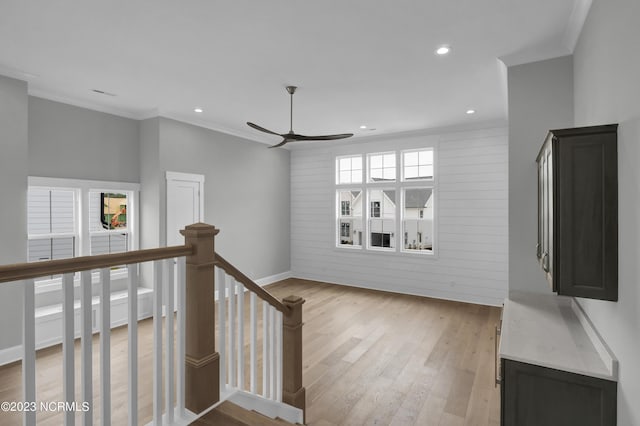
{"x":291,"y":136}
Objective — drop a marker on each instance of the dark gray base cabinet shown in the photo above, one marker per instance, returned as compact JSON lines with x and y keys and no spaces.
{"x":537,"y":396}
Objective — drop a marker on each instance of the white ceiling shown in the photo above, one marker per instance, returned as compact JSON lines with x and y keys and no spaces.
{"x":355,"y":61}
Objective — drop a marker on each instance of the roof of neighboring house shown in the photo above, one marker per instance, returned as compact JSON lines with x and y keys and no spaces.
{"x":416,"y":198}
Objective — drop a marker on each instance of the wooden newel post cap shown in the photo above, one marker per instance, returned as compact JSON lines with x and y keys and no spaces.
{"x":199,"y":230}
{"x":293,"y":300}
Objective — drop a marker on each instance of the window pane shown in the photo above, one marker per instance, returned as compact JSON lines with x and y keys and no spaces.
{"x":426,"y":171}
{"x":410,"y":158}
{"x":107,"y":211}
{"x":345,"y":164}
{"x":51,"y":248}
{"x":382,"y":212}
{"x":389,"y":174}
{"x":349,"y":222}
{"x":50,"y":211}
{"x":418,"y":164}
{"x":356,"y":163}
{"x":382,"y":167}
{"x":418,"y":219}
{"x":389,"y":161}
{"x":375,"y":161}
{"x":349,"y":169}
{"x":107,"y":244}
{"x":426,"y":157}
{"x":62,"y":211}
{"x":38,"y":211}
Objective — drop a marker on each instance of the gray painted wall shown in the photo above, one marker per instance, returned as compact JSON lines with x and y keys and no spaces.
{"x":13,"y":186}
{"x":70,"y":142}
{"x":607,"y":90}
{"x":540,"y":99}
{"x":149,"y":191}
{"x":246,"y":193}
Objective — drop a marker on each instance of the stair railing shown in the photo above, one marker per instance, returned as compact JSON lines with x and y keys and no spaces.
{"x":195,"y":383}
{"x":281,"y":335}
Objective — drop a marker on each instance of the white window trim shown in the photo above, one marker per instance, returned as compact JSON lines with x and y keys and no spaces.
{"x":399,"y":184}
{"x":82,"y":188}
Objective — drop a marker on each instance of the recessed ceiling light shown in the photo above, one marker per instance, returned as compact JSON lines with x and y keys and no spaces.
{"x":363,"y":127}
{"x":443,"y":50}
{"x":198,"y":110}
{"x":471,"y":111}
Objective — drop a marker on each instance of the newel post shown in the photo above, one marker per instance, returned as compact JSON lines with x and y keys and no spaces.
{"x":293,"y":393}
{"x":202,"y":362}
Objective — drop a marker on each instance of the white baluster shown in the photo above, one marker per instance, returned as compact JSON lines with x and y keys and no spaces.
{"x":105,"y":346}
{"x":29,"y":351}
{"x":272,"y":358}
{"x":157,"y":342}
{"x":169,"y":348}
{"x":222,"y":325}
{"x":86,"y":336}
{"x":232,"y":332}
{"x":278,"y":356}
{"x":253,"y":344}
{"x":181,"y":333}
{"x":132,"y":331}
{"x":265,"y":350}
{"x":68,"y":336}
{"x":240,"y":289}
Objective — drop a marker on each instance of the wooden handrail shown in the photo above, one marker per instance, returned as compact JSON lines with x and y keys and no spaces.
{"x":250,"y":284}
{"x":23,"y":271}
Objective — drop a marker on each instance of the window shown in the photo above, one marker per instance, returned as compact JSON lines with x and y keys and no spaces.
{"x":375,"y":209}
{"x":382,"y":167}
{"x":346,"y":208}
{"x":417,"y":223}
{"x":108,"y":222}
{"x":382,"y":218}
{"x":350,"y":218}
{"x":57,"y":220}
{"x":349,"y":169}
{"x":51,"y":224}
{"x":399,"y":201}
{"x":417,"y":165}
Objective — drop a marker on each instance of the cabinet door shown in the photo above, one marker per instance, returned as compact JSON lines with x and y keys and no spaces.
{"x":539,"y":396}
{"x":587,"y":214}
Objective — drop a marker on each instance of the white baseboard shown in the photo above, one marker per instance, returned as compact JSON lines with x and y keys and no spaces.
{"x":10,"y":355}
{"x":273,"y":278}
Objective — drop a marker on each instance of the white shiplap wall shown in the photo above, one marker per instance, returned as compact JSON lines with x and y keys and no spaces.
{"x":471,"y":222}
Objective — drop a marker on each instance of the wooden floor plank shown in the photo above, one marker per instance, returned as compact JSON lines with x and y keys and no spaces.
{"x":370,"y":357}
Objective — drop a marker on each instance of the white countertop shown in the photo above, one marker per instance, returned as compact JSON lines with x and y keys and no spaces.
{"x":552,"y":331}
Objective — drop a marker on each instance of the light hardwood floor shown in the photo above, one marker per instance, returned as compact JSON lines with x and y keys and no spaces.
{"x":370,"y":358}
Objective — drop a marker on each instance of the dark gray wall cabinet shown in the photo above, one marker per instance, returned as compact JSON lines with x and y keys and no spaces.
{"x":539,"y":396}
{"x":578,"y":211}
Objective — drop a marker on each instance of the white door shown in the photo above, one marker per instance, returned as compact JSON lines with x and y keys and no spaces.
{"x":184,"y":204}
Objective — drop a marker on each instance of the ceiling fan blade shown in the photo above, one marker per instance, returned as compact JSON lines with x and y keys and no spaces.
{"x":324,"y":137}
{"x":280,"y":144}
{"x":262,"y":129}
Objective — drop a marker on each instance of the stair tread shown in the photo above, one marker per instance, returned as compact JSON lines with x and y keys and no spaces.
{"x":230,"y":414}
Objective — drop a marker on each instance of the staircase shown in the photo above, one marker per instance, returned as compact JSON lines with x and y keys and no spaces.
{"x":194,"y":381}
{"x":230,"y":414}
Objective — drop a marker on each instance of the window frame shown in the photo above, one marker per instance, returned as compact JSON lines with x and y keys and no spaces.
{"x":399,"y":184}
{"x":81,"y":189}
